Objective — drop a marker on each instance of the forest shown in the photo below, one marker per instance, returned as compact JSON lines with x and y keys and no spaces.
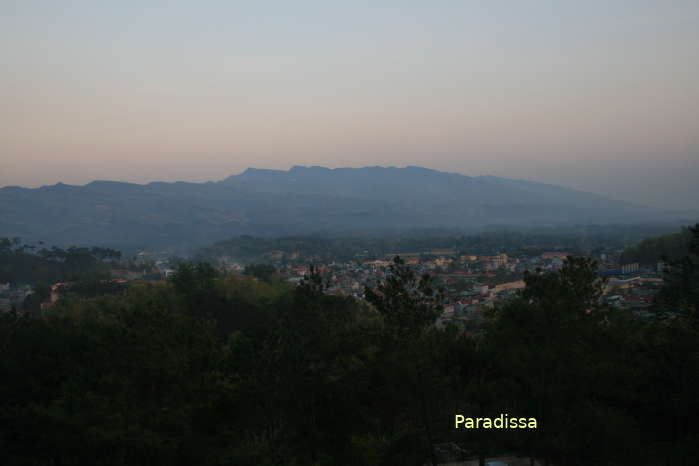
{"x":579,"y":240}
{"x":32,"y":263}
{"x":670,"y":247}
{"x":223,"y":369}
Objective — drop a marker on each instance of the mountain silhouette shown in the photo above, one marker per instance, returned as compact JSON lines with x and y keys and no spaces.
{"x":301,"y":200}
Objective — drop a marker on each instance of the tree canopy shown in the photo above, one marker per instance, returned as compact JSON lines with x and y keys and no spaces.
{"x":225,"y":369}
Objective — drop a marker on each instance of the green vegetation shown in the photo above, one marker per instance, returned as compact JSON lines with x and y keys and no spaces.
{"x":218,"y":369}
{"x":250,"y":249}
{"x":659,"y":248}
{"x":23,"y":263}
{"x":681,"y":290}
{"x":264,"y":272}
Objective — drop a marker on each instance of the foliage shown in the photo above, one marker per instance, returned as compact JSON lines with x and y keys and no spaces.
{"x":681,"y":290}
{"x":264,"y":272}
{"x":23,"y":263}
{"x":224,"y":369}
{"x":407,"y":303}
{"x":652,"y":250}
{"x":251,"y":250}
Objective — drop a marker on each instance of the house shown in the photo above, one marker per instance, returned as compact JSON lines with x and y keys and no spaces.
{"x":442,"y":262}
{"x":497,"y":260}
{"x":554,"y":254}
{"x":378,"y":263}
{"x":275,"y":255}
{"x":442,"y":252}
{"x":509,"y":286}
{"x":629,"y":268}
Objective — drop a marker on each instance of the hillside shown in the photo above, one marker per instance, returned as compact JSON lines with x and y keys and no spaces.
{"x":298,"y":201}
{"x":659,"y":248}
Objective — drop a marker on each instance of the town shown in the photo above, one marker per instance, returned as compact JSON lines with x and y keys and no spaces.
{"x":471,"y":284}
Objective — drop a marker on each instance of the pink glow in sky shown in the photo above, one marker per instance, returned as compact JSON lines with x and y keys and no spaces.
{"x":598,"y":95}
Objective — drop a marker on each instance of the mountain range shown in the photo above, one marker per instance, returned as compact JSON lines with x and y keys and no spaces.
{"x":301,"y":200}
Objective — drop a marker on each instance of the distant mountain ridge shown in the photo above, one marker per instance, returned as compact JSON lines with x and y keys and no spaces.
{"x":300,"y":200}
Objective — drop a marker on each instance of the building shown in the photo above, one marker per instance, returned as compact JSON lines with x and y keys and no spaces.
{"x":509,"y":286}
{"x":557,"y":255}
{"x":275,"y":255}
{"x":442,"y":262}
{"x":378,"y":263}
{"x":497,"y":260}
{"x":629,"y":268}
{"x":442,"y":252}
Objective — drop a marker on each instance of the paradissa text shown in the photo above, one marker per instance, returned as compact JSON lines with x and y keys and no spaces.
{"x":504,"y":421}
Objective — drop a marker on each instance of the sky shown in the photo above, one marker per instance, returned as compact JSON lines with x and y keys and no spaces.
{"x":601,"y":96}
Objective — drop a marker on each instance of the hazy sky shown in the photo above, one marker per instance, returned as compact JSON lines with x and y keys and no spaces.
{"x":598,"y":95}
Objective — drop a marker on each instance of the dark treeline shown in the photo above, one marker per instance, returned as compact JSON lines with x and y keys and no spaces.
{"x":27,"y":263}
{"x":213,"y":369}
{"x":668,"y":247}
{"x":327,"y":248}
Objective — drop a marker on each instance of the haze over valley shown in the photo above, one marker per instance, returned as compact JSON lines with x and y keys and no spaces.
{"x":302,"y":200}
